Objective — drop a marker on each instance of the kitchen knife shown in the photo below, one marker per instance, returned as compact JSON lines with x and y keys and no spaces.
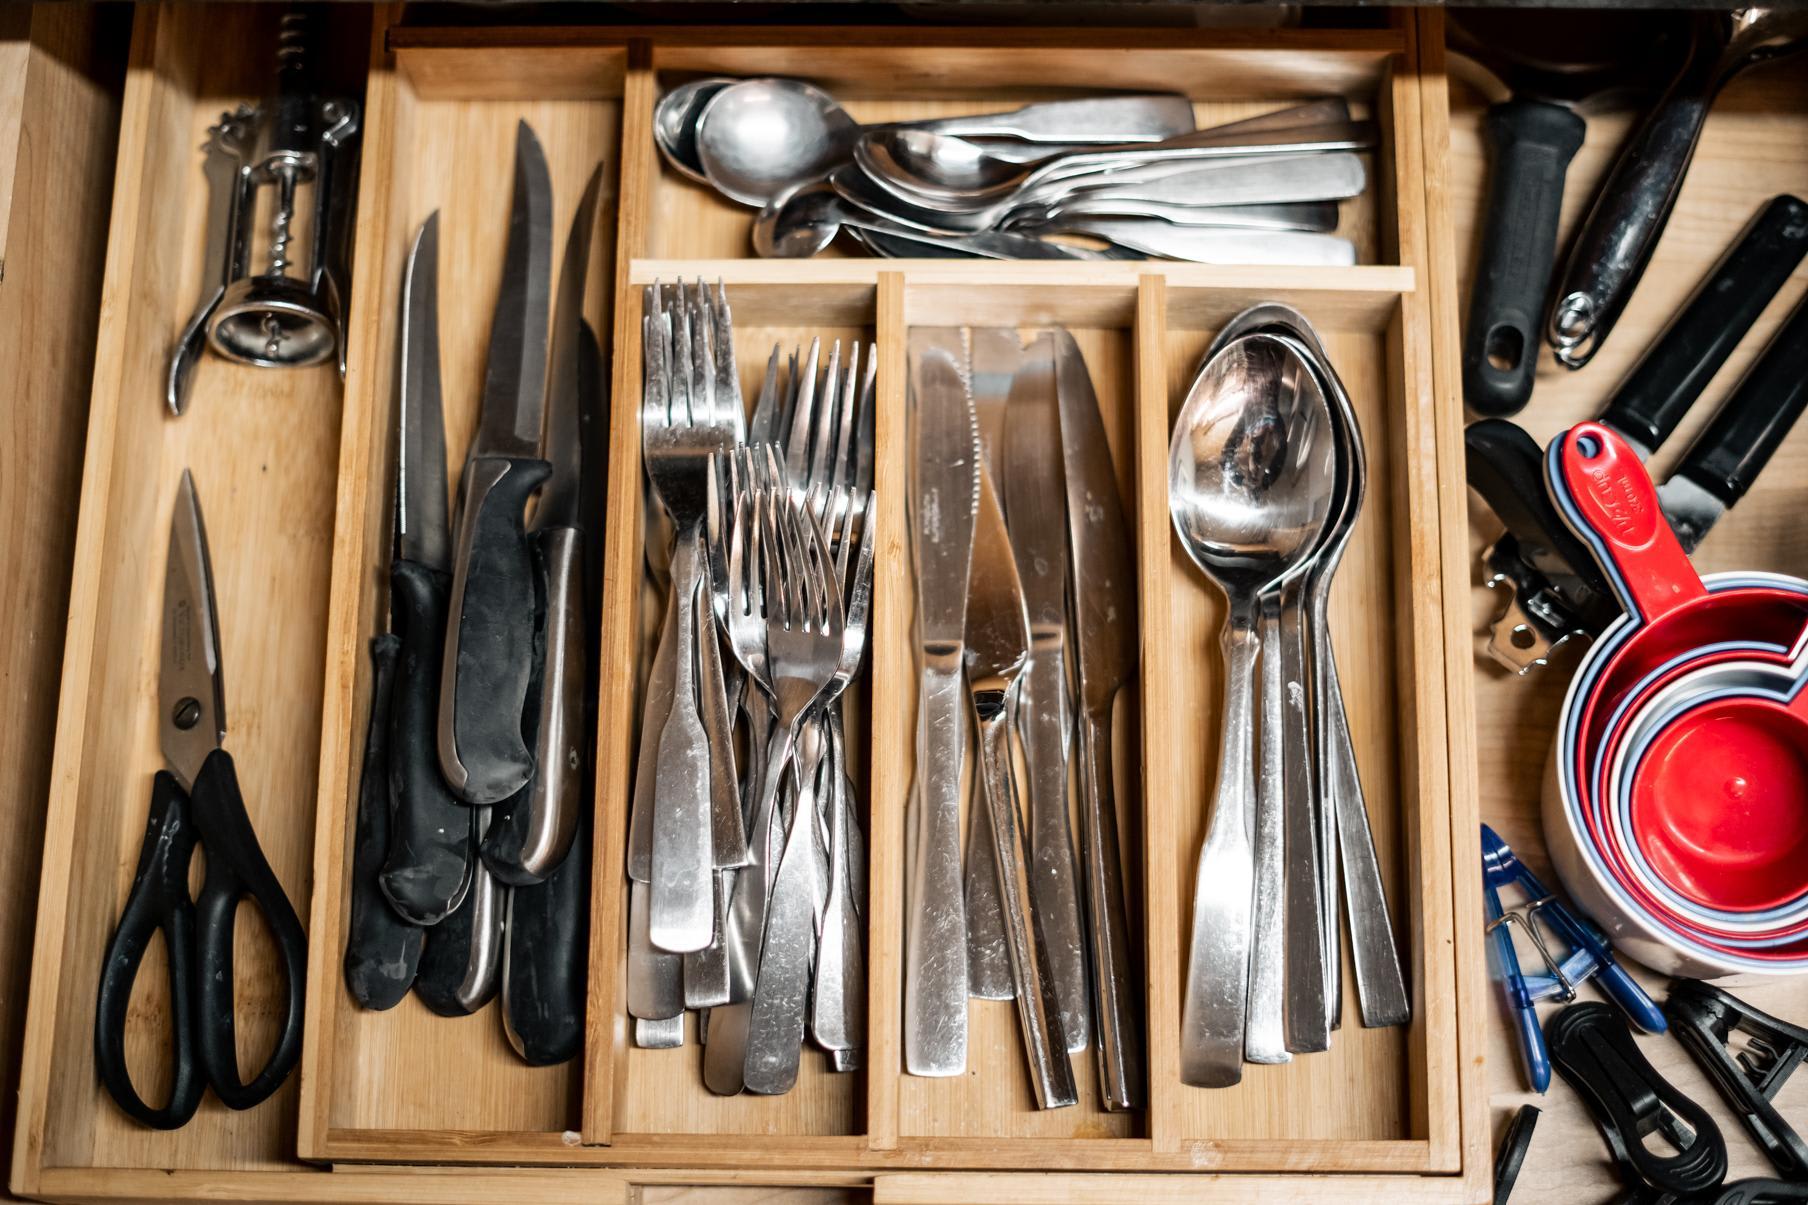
{"x":490,"y":616}
{"x":381,"y":949}
{"x":944,"y":498}
{"x":1557,"y":591}
{"x":460,"y":969}
{"x":1038,"y":506}
{"x":997,"y":646}
{"x":1102,"y":600}
{"x":427,"y":869}
{"x":530,"y":836}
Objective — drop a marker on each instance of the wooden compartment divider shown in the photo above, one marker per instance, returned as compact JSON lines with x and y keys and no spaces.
{"x":1375,"y":1116}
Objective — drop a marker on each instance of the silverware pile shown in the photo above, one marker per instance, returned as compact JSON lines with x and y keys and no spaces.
{"x":1130,"y":173}
{"x":1000,"y":429}
{"x":748,"y":874}
{"x":1265,"y":481}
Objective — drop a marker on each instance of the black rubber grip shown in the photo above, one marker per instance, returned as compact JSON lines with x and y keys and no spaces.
{"x":544,"y":975}
{"x":1533,"y":143}
{"x":491,"y":630}
{"x":511,"y":819}
{"x":381,"y":949}
{"x":235,"y":869}
{"x":1669,"y":377}
{"x":446,"y":962}
{"x":158,"y":900}
{"x":1740,"y":440}
{"x":427,"y":868}
{"x":1506,"y":466}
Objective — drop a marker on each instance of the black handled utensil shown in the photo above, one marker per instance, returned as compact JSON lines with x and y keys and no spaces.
{"x":381,"y":949}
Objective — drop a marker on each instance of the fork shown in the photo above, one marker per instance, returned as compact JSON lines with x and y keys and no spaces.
{"x":685,"y":419}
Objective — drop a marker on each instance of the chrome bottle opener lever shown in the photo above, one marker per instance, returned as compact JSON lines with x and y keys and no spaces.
{"x":283,"y":178}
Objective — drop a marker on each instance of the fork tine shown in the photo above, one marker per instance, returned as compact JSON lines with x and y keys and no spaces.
{"x":823,"y":424}
{"x":860,"y":586}
{"x":846,"y":419}
{"x":765,"y":408}
{"x":728,"y":376}
{"x":863,"y":452}
{"x":798,"y":443}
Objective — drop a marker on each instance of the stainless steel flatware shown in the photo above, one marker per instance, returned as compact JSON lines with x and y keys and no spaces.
{"x":944,"y":498}
{"x":1207,"y":245}
{"x":490,"y":611}
{"x":1102,"y":591}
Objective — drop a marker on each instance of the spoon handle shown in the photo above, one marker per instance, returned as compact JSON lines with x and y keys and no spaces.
{"x":1264,"y":1037}
{"x":1216,"y":1001}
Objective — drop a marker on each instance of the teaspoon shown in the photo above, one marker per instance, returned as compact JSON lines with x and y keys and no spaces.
{"x":675,"y":124}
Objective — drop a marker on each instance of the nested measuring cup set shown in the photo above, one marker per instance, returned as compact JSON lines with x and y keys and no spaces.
{"x":1676,"y":799}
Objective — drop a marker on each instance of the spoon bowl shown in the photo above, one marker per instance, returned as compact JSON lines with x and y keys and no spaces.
{"x":675,"y":124}
{"x":760,"y":136}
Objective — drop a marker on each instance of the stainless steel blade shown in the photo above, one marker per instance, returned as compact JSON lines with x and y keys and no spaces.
{"x":189,"y":682}
{"x":422,"y":530}
{"x":946,"y":464}
{"x":514,"y":377}
{"x":562,"y":443}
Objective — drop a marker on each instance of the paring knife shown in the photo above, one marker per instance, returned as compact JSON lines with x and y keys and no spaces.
{"x":944,"y":498}
{"x":431,"y":841}
{"x":1552,"y":592}
{"x":997,"y":646}
{"x":1102,"y":601}
{"x":1038,"y":508}
{"x":381,"y":949}
{"x":530,"y":834}
{"x":490,"y":618}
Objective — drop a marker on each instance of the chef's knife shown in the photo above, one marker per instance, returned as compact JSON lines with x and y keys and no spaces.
{"x":944,"y":498}
{"x":490,"y":618}
{"x":1552,"y":593}
{"x":428,"y":865}
{"x":1038,"y":509}
{"x":997,"y":646}
{"x":531,"y":835}
{"x":1102,"y":601}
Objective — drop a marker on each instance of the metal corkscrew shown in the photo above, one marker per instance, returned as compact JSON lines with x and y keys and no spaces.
{"x":282,"y":178}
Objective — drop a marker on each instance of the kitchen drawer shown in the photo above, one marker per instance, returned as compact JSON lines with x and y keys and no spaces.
{"x":294,"y":473}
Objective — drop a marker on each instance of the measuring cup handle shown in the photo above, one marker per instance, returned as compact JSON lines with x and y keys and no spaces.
{"x":1614,"y":505}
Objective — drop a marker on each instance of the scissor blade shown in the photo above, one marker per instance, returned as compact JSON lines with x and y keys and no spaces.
{"x":514,"y":381}
{"x":422,"y":528}
{"x":193,"y":721}
{"x":563,"y":445}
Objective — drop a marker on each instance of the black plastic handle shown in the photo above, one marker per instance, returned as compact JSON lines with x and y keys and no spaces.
{"x":450,"y":980}
{"x":1679,"y":364}
{"x":1747,"y":430}
{"x":489,"y":633}
{"x":1533,"y":143}
{"x":158,"y":900}
{"x":544,"y":970}
{"x":427,"y":867}
{"x":236,"y":868}
{"x":381,"y":949}
{"x":1630,"y":211}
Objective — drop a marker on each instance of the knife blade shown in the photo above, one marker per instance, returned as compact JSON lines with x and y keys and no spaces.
{"x":1102,"y":599}
{"x":997,"y":648}
{"x":1035,"y":500}
{"x":427,"y":868}
{"x":944,"y":498}
{"x":532,"y":832}
{"x":490,"y":617}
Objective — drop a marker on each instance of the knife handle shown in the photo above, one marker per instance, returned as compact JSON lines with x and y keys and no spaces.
{"x":1117,"y":1002}
{"x":489,"y":633}
{"x":1747,"y":429}
{"x":1679,"y":364}
{"x":532,"y":837}
{"x":460,"y":969}
{"x":428,"y":867}
{"x":1506,"y":466}
{"x":381,"y":949}
{"x":1533,"y":143}
{"x":935,"y":951}
{"x":543,"y":966}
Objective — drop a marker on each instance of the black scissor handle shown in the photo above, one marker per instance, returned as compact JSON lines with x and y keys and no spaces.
{"x":236,"y":868}
{"x":158,"y":900}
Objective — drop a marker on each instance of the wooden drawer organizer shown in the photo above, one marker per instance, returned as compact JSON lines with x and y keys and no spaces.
{"x":296,"y":484}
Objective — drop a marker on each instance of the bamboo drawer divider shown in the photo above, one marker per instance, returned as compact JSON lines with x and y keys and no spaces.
{"x":1377,"y":1116}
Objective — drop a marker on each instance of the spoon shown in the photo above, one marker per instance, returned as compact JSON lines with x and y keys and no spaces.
{"x":924,"y":168}
{"x":805,"y":219}
{"x":1609,"y":256}
{"x":675,"y":124}
{"x":1204,"y":245}
{"x":1249,"y":495}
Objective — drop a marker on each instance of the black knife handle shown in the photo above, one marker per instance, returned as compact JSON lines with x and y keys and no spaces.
{"x":1738,"y":443}
{"x":1533,"y":143}
{"x":236,"y":868}
{"x":490,"y":632}
{"x":459,"y":968}
{"x":544,"y":978}
{"x":427,"y":867}
{"x":381,"y":949}
{"x":1679,"y":364}
{"x":1506,"y":466}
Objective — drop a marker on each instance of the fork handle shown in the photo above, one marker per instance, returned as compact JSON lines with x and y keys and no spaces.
{"x":683,"y":879}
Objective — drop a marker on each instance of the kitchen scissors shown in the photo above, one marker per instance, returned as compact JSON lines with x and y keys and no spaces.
{"x":196,"y":800}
